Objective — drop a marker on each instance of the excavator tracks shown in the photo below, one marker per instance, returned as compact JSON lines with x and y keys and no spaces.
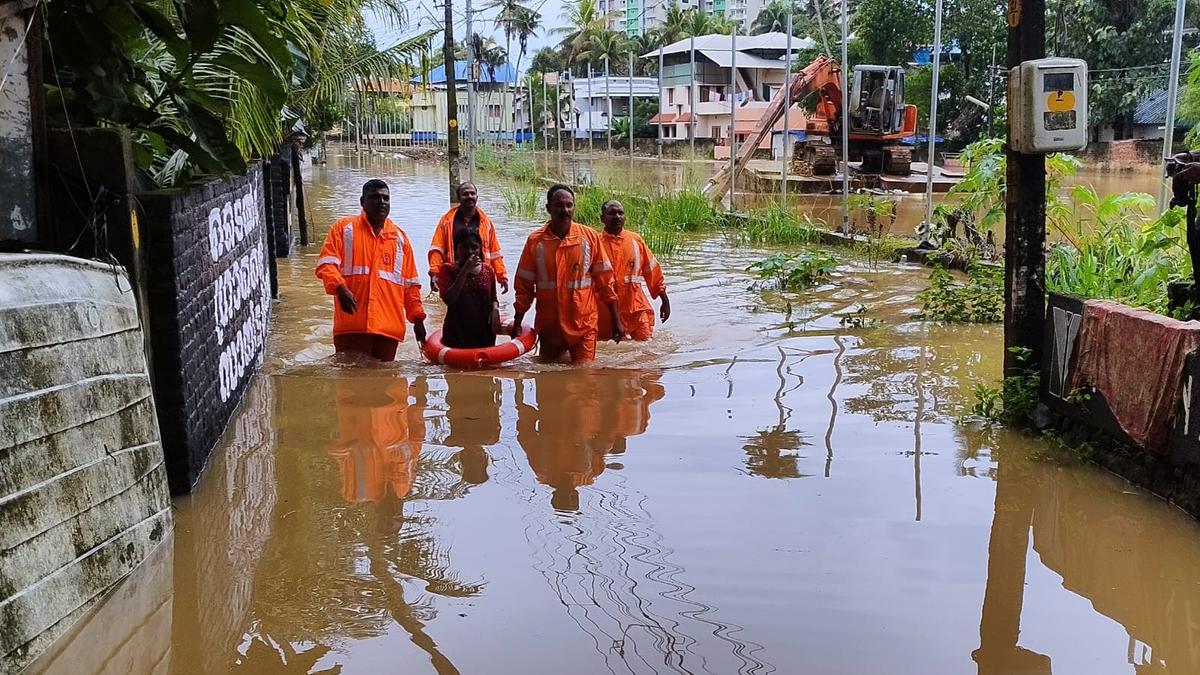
{"x":897,"y":160}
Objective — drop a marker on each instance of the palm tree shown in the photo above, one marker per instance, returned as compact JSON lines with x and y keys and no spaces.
{"x":675,"y":25}
{"x":772,"y":18}
{"x":527,"y":24}
{"x":583,"y":19}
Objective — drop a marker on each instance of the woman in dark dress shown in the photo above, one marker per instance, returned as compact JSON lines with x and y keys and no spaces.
{"x":468,"y":287}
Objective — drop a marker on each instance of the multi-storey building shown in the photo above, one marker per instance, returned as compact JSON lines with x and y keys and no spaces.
{"x":702,"y":103}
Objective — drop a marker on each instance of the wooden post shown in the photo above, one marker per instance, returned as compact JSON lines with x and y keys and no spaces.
{"x":451,"y":104}
{"x":1025,"y":207}
{"x":298,"y":189}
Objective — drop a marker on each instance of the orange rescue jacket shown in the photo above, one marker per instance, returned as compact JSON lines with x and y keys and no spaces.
{"x":565,"y":276}
{"x":632,"y":264}
{"x":378,"y":269}
{"x":441,"y":249}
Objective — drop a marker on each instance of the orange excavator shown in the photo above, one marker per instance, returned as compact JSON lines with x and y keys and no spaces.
{"x":879,"y":119}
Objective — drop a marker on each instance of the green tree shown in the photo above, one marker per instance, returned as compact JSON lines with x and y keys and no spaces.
{"x":583,"y":19}
{"x":1127,"y":42}
{"x":890,"y":31}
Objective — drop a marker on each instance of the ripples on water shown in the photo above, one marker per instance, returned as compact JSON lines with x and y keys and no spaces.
{"x":761,"y":489}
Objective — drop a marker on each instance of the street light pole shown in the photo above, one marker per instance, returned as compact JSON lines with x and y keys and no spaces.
{"x":1172,"y":96}
{"x":733,"y":116}
{"x":470,"y":93}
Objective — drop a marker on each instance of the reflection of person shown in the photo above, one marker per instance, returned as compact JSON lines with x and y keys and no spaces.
{"x":379,"y":437}
{"x":367,"y":264}
{"x":564,"y":269}
{"x":632,"y":263}
{"x":473,"y":413}
{"x":577,"y":419}
{"x":466,"y":216}
{"x":468,"y":287}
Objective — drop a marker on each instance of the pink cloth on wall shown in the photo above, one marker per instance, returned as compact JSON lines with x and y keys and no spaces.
{"x":1135,"y":359}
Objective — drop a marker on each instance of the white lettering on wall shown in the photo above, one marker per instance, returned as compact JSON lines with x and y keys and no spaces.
{"x":229,"y":223}
{"x":242,"y":289}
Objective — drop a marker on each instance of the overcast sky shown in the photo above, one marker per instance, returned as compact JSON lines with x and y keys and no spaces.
{"x":427,"y":14}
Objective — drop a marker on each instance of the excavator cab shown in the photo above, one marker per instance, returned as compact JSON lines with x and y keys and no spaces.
{"x":877,"y":100}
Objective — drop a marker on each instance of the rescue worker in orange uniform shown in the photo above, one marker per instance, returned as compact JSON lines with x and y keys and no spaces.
{"x":466,"y":214}
{"x":632,"y":263}
{"x":564,"y":269}
{"x":379,"y":436}
{"x":367,"y":264}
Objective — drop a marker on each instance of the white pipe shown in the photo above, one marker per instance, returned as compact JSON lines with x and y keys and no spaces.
{"x":608,"y":102}
{"x":845,"y":124}
{"x":631,"y":107}
{"x":1172,"y":95}
{"x":933,"y":106}
{"x":589,"y":110}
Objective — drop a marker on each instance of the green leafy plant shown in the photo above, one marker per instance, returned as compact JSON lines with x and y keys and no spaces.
{"x":1116,"y":252}
{"x":857,"y":319}
{"x":879,"y":212}
{"x":776,"y":225}
{"x":979,"y":300}
{"x":1013,"y":402}
{"x":794,"y":271}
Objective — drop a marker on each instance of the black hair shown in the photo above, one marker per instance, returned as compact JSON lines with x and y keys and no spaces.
{"x":373,"y":185}
{"x":467,"y":234}
{"x":605,"y":205}
{"x":462,"y":185}
{"x":555,"y":188}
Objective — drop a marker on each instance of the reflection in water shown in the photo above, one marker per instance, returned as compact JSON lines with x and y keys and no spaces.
{"x":611,"y":570}
{"x":334,"y":533}
{"x":345,"y":558}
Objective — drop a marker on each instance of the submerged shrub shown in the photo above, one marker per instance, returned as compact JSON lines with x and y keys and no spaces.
{"x":979,"y":300}
{"x":795,"y":271}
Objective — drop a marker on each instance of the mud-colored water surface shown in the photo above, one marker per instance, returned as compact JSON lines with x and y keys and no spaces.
{"x":767,"y":487}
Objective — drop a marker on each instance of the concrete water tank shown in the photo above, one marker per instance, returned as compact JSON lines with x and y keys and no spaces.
{"x":83,"y":490}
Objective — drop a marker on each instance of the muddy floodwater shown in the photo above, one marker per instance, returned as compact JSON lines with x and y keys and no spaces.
{"x":775,"y":484}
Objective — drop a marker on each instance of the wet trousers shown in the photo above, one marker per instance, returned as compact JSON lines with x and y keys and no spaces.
{"x":381,"y":347}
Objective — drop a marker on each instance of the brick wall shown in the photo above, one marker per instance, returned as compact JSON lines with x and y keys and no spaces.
{"x":277,"y":191}
{"x":210,"y":305}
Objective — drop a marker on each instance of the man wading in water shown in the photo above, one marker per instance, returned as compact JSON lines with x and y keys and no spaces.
{"x":563,"y":268}
{"x":367,"y":264}
{"x":466,"y":216}
{"x":632,"y":263}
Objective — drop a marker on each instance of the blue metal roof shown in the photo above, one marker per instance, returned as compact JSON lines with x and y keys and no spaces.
{"x":504,"y":74}
{"x":1152,"y":109}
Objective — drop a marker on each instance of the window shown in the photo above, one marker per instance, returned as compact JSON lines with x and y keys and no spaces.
{"x":493,"y":112}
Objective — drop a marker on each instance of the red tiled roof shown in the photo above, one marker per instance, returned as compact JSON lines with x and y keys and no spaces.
{"x":663,"y":118}
{"x":685,"y":118}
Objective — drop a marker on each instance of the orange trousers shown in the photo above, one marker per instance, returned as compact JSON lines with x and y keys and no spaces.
{"x":552,"y":344}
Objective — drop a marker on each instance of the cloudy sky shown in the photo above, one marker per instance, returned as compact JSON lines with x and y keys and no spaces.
{"x":427,"y":14}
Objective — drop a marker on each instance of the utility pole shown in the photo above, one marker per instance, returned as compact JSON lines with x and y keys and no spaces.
{"x":692,"y":96}
{"x":451,"y":104}
{"x":660,"y":111}
{"x":846,"y":122}
{"x":787,"y":113}
{"x":933,"y":109}
{"x":733,"y":116}
{"x":1025,"y":208}
{"x":591,"y":150}
{"x":992,"y":95}
{"x":470,"y":93}
{"x":631,"y":117}
{"x":608,"y":101}
{"x":558,"y":113}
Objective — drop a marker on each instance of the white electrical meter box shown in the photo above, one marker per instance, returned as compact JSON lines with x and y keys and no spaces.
{"x":1048,"y":105}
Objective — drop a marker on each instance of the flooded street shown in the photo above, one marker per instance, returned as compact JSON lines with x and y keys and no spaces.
{"x":774,"y":484}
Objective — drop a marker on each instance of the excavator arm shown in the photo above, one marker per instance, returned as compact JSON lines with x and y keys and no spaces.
{"x":823,"y":75}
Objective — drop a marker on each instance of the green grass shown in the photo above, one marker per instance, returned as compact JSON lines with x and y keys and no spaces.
{"x":522,"y":202}
{"x":518,"y":165}
{"x":776,"y":225}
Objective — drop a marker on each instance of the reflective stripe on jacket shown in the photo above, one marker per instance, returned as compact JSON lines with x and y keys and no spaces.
{"x":632,"y":264}
{"x":378,"y":269}
{"x":441,"y":249}
{"x":565,"y":276}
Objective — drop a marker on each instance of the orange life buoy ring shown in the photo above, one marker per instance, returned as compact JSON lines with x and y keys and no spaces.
{"x":437,"y":352}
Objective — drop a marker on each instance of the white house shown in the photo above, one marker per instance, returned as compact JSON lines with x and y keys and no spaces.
{"x":760,"y":65}
{"x":598,"y":100}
